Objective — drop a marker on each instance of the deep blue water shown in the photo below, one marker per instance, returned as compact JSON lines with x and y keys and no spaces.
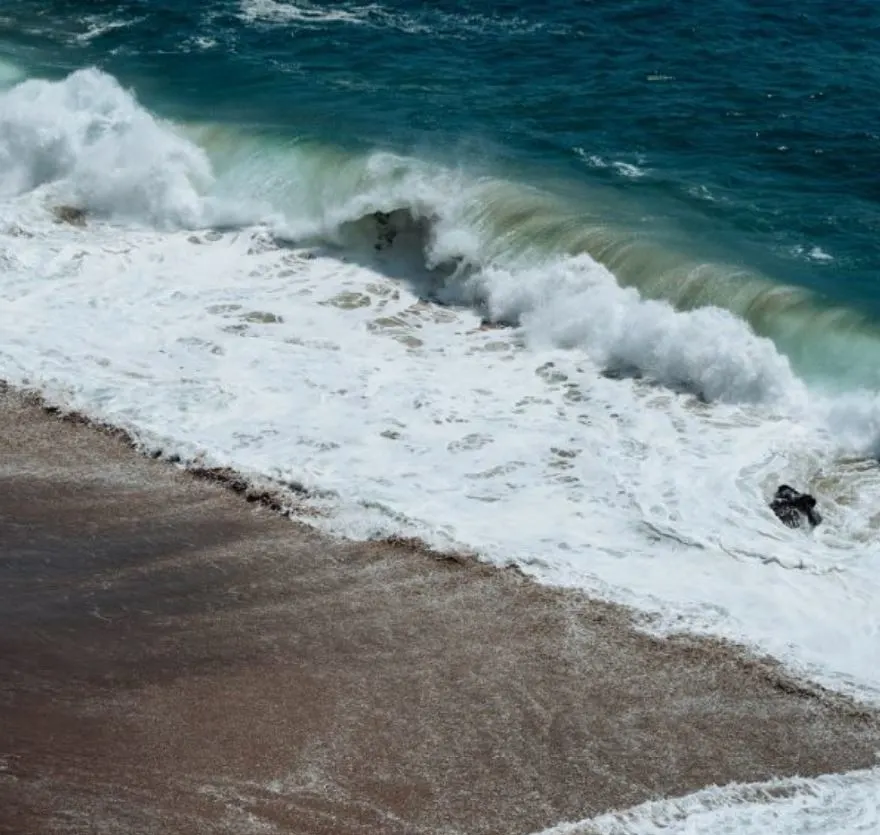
{"x":752,"y":129}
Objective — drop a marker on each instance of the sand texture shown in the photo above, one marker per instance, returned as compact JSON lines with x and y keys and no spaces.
{"x":174,"y":659}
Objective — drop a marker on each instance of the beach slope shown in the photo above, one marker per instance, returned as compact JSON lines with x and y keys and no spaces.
{"x":176,"y":659}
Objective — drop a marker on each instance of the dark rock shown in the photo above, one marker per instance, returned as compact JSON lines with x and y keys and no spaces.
{"x":385,"y":230}
{"x":793,"y":507}
{"x":70,"y":214}
{"x":487,"y":324}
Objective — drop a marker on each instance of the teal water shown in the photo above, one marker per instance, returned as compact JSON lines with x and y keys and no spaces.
{"x":722,"y":140}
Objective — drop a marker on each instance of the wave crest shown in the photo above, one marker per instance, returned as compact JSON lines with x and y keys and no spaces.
{"x":517,"y":253}
{"x":95,"y":146}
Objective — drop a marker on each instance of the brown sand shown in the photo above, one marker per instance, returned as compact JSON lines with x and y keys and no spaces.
{"x":176,"y":660}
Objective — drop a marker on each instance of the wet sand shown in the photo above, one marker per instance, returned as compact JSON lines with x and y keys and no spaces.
{"x":174,"y":659}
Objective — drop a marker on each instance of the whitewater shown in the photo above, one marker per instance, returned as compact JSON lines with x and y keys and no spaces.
{"x":412,"y":349}
{"x":635,"y":446}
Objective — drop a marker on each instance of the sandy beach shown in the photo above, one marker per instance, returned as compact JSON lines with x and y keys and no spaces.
{"x":174,"y":659}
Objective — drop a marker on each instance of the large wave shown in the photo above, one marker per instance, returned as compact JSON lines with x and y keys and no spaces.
{"x":523,"y":255}
{"x":311,"y":347}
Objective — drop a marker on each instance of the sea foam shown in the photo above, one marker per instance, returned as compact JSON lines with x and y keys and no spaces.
{"x":237,"y":303}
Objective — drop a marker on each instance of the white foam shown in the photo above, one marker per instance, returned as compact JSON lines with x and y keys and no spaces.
{"x":99,"y":25}
{"x":88,"y":140}
{"x":625,"y":169}
{"x":813,"y":253}
{"x":847,"y":804}
{"x":575,"y":303}
{"x":203,"y":43}
{"x":285,"y":12}
{"x":427,"y":21}
{"x":327,"y":371}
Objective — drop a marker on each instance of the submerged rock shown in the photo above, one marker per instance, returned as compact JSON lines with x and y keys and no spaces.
{"x":487,"y":324}
{"x":70,"y":214}
{"x":793,"y":507}
{"x":385,"y":230}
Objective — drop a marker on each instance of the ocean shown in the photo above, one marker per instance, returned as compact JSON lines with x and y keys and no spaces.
{"x":574,"y":286}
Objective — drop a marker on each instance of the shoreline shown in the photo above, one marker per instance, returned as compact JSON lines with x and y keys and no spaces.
{"x":263,"y":492}
{"x":177,"y":659}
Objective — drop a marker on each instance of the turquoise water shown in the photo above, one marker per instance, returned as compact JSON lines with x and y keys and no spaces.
{"x":665,"y":139}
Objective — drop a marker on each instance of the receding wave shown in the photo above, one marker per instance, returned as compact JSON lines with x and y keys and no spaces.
{"x":523,"y":255}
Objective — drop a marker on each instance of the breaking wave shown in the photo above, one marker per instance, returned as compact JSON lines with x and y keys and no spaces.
{"x":522,"y":255}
